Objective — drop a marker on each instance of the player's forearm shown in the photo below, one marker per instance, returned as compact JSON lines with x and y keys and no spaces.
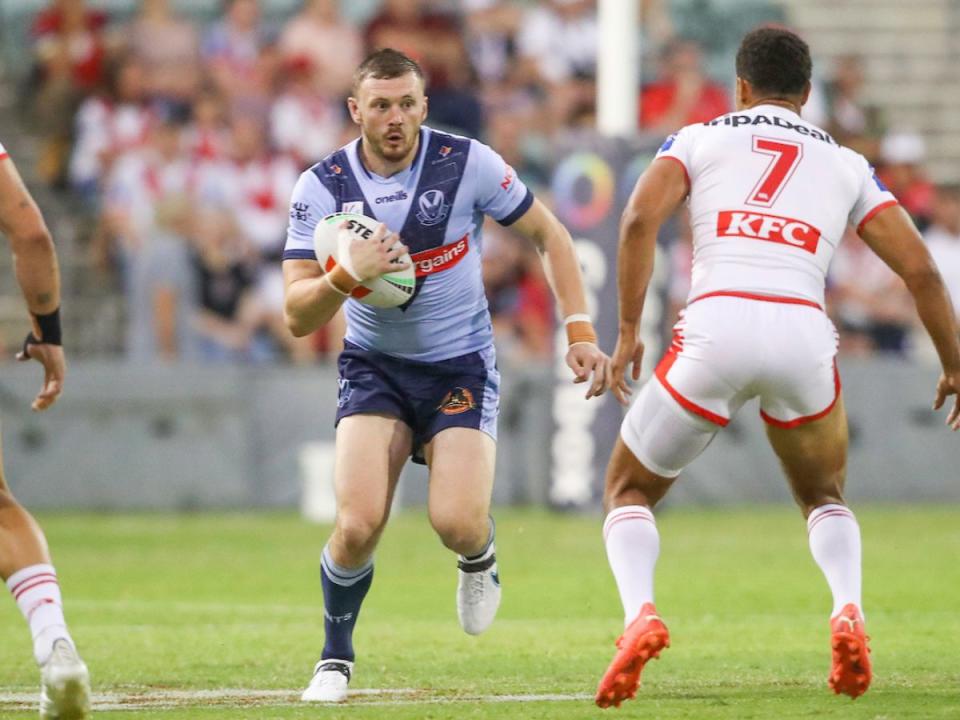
{"x":936,"y":314}
{"x":37,"y":271}
{"x":310,"y":303}
{"x":563,"y":272}
{"x":635,"y":258}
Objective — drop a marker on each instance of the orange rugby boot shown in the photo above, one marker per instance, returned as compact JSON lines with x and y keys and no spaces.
{"x":643,"y":639}
{"x":851,"y":673}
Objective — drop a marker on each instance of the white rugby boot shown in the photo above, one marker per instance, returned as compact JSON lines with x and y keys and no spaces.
{"x":478,"y":592}
{"x":329,"y":682}
{"x":64,"y":684}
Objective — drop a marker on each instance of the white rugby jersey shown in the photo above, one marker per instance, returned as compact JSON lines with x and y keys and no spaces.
{"x":770,"y":198}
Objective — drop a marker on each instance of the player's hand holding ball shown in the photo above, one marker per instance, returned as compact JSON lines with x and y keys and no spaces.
{"x":629,"y":350}
{"x":369,"y":257}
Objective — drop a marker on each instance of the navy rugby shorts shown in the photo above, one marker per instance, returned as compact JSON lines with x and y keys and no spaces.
{"x":462,"y":391}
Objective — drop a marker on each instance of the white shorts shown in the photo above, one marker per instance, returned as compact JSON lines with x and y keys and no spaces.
{"x":728,"y":348}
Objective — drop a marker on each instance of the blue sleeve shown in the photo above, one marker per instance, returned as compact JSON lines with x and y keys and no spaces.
{"x":309,"y":203}
{"x":499,"y":192}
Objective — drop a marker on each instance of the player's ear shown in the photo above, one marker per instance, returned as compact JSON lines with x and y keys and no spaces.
{"x":742,"y":93}
{"x":426,"y":107}
{"x":354,"y":107}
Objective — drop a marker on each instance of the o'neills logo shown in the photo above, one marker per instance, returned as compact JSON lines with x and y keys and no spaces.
{"x":442,"y":258}
{"x":771,"y":228}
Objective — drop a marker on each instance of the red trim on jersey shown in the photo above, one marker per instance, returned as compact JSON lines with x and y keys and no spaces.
{"x":756,"y":296}
{"x":796,"y":422}
{"x":870,"y":215}
{"x":661,"y":372}
{"x":686,"y":175}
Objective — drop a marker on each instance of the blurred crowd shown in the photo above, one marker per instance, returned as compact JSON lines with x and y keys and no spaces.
{"x":182,"y":140}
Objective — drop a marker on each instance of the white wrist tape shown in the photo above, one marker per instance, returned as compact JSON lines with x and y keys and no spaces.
{"x":577,"y":317}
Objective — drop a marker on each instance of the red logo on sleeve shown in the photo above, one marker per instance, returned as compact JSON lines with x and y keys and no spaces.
{"x":507,"y":178}
{"x":771,"y":228}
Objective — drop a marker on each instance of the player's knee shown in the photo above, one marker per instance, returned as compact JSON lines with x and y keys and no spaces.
{"x":460,"y":531}
{"x":358,"y":534}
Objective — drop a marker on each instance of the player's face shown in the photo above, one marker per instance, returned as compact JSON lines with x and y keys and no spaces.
{"x":390,"y":112}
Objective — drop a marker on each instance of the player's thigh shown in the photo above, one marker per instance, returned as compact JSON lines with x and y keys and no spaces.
{"x":658,"y":439}
{"x":814,"y":457}
{"x":461,"y":462}
{"x":371,"y":450}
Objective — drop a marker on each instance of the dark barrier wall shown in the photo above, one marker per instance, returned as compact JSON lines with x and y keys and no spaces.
{"x":176,"y":437}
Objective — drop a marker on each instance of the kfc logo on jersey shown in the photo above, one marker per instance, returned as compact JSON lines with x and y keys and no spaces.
{"x":771,"y":228}
{"x":433,"y":208}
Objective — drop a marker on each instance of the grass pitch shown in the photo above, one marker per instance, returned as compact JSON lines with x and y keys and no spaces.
{"x":219,"y":616}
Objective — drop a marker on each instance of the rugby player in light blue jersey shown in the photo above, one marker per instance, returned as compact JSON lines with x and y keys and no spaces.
{"x":419,"y":380}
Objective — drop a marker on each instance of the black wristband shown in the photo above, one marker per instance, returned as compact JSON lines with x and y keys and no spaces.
{"x":49,"y":324}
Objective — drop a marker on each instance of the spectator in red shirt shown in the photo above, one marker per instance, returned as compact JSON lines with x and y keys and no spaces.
{"x":70,"y":55}
{"x":684,"y":95}
{"x":901,"y":169}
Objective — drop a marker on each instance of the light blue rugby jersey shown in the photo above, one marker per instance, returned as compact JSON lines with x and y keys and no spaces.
{"x":437,"y":207}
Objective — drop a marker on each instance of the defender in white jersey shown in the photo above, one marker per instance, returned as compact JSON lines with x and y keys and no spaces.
{"x":419,"y":380}
{"x":769,"y":197}
{"x":25,"y":563}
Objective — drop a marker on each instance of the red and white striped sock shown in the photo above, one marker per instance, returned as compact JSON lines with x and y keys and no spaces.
{"x":835,"y":544}
{"x":633,"y":545}
{"x":37,"y":593}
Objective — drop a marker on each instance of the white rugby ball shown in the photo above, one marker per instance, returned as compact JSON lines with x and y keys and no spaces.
{"x":390,"y":289}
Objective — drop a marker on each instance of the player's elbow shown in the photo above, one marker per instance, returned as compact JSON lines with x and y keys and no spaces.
{"x":33,"y":241}
{"x":295,"y":325}
{"x":636,"y":222}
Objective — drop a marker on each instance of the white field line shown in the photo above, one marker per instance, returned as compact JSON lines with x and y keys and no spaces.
{"x":238,"y":697}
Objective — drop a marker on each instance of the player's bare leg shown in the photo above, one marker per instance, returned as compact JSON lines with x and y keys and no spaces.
{"x":461,"y":464}
{"x":25,"y":567}
{"x":633,"y":544}
{"x":814,"y":457}
{"x":371,"y":452}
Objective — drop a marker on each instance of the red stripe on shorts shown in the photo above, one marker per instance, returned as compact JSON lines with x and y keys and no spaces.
{"x":661,"y":372}
{"x":789,"y":424}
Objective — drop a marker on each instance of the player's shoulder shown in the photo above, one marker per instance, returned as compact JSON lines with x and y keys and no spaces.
{"x":334,"y":165}
{"x":443,"y":147}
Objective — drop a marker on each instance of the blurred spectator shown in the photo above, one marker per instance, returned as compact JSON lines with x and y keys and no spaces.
{"x":558,"y":46}
{"x":901,"y":156}
{"x":231,"y":47}
{"x":109,"y":124}
{"x":305,"y":124}
{"x":870,"y":304}
{"x":491,"y":26}
{"x":518,"y":295}
{"x":206,"y":139}
{"x":683,"y":95}
{"x":168,"y":47}
{"x":508,"y":132}
{"x":850,"y":119}
{"x":224,"y":277}
{"x":256,"y":184}
{"x":434,"y":39}
{"x":943,"y":238}
{"x":70,"y":51}
{"x":332,"y":47}
{"x":149,"y":198}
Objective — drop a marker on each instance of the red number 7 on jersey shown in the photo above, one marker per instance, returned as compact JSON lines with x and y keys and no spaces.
{"x":785,"y":156}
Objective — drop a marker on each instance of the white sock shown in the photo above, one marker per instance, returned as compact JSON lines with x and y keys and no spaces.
{"x":633,"y":545}
{"x":835,"y":545}
{"x":37,"y":593}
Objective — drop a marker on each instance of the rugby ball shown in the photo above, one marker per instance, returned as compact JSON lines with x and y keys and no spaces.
{"x":333,"y":235}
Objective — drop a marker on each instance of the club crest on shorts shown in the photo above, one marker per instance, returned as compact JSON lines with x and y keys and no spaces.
{"x":433,"y":208}
{"x":344,"y":391}
{"x":459,"y":400}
